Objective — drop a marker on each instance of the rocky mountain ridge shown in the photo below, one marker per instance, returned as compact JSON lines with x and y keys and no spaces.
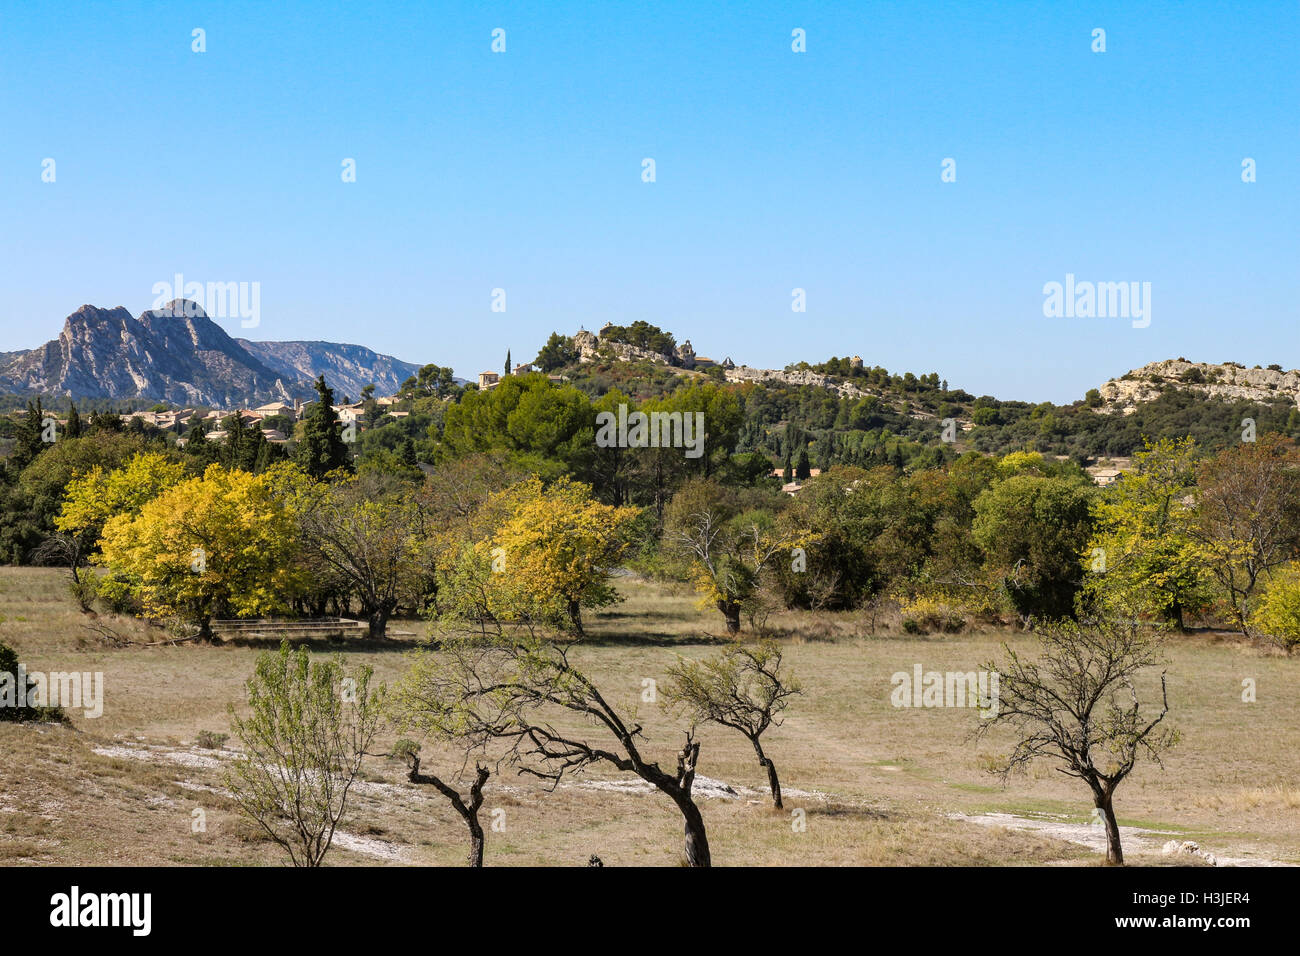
{"x":177,"y":354}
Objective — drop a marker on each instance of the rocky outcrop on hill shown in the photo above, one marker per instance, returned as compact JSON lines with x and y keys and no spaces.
{"x":1227,"y":381}
{"x":743,"y":373}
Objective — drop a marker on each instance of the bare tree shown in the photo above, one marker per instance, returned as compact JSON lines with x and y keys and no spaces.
{"x":309,"y":728}
{"x":1078,"y":707}
{"x":70,"y":549}
{"x":742,"y":688}
{"x":507,"y":686}
{"x":467,"y":807}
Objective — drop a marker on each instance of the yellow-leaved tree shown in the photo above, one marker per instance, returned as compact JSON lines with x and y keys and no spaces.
{"x":210,"y":546}
{"x":91,"y":499}
{"x":558,"y":547}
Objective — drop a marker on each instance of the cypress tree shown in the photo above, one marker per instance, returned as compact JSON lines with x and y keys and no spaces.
{"x":322,"y":448}
{"x":73,"y":429}
{"x":408,"y":453}
{"x":27,"y":440}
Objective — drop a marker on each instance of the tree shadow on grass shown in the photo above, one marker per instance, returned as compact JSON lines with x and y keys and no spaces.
{"x":651,"y":639}
{"x":323,"y":645}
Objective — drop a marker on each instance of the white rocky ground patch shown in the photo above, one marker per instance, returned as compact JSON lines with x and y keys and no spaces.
{"x":1094,"y":837}
{"x":705,"y":787}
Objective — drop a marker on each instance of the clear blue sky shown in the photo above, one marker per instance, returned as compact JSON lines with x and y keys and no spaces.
{"x":775,"y":170}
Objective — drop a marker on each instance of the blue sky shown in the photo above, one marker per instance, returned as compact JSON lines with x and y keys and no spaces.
{"x":775,"y":170}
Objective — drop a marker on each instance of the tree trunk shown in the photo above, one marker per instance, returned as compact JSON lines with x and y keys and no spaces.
{"x":773,"y":781}
{"x":205,"y":631}
{"x":697,"y":841}
{"x":1114,"y":853}
{"x":475,"y":841}
{"x":575,"y":617}
{"x":731,"y":611}
{"x":378,"y":621}
{"x":467,"y":811}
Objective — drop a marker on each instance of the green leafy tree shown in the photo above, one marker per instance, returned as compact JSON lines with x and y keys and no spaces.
{"x":363,"y":529}
{"x":803,"y":470}
{"x":28,"y":440}
{"x":11,"y":693}
{"x":1032,"y":529}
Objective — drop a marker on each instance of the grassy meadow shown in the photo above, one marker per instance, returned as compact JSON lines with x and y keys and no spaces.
{"x":872,"y":784}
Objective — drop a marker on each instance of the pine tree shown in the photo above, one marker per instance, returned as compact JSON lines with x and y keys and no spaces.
{"x":787,"y":475}
{"x":507,"y":361}
{"x":802,"y":469}
{"x":322,"y":448}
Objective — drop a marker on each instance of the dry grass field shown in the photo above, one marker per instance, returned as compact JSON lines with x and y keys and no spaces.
{"x":877,"y":784}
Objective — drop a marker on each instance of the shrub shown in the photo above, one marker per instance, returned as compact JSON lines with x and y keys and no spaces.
{"x":925,"y":615}
{"x":9,"y":709}
{"x":1278,"y":615}
{"x":210,"y":740}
